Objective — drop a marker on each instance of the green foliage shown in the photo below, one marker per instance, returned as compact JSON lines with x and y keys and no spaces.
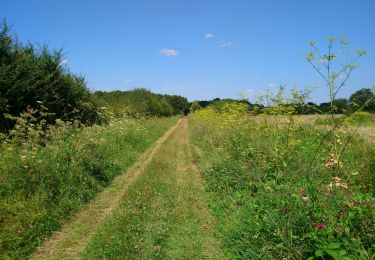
{"x":296,"y":102}
{"x":141,"y":102}
{"x":49,"y":171}
{"x":271,"y":202}
{"x":363,"y":98}
{"x":29,"y":75}
{"x":195,"y":106}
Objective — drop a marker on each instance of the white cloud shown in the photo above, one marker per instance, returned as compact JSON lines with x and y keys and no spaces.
{"x":65,"y":61}
{"x":208,"y":35}
{"x":127,"y":80}
{"x":169,"y":52}
{"x":225,"y":44}
{"x":250,"y":90}
{"x":272,"y":85}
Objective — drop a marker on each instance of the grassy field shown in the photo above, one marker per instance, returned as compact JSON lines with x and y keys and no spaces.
{"x":163,"y":215}
{"x":44,"y":179}
{"x":278,"y":190}
{"x":219,"y":184}
{"x":156,"y":210}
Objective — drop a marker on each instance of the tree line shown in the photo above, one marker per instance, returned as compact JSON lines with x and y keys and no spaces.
{"x":363,"y":98}
{"x":142,"y":102}
{"x":37,"y":81}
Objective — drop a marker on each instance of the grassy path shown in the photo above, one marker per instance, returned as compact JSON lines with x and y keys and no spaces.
{"x":156,"y":210}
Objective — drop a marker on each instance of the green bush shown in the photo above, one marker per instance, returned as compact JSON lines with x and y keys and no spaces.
{"x":30,"y":75}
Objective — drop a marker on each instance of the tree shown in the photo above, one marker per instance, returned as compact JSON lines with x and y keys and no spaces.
{"x":341,"y":106}
{"x":365,"y":98}
{"x":31,"y":76}
{"x":141,"y":102}
{"x":195,"y":106}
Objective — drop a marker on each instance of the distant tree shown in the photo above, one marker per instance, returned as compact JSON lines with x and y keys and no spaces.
{"x":204,"y":103}
{"x":195,"y":106}
{"x":141,"y":102}
{"x":180,"y":104}
{"x":311,"y":108}
{"x":325,"y":107}
{"x":364,"y":97}
{"x":341,"y":105}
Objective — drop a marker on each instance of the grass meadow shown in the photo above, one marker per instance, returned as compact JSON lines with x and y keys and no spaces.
{"x":286,"y":187}
{"x":47,"y":176}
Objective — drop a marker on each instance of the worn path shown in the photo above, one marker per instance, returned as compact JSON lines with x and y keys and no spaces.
{"x":157,"y":209}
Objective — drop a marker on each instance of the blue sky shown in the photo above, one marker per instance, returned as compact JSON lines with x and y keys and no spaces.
{"x":250,"y":46}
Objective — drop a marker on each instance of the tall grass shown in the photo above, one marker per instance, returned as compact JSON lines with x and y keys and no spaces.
{"x":46,"y":175}
{"x":277,"y":191}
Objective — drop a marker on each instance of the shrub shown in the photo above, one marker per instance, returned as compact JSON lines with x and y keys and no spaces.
{"x":29,"y":75}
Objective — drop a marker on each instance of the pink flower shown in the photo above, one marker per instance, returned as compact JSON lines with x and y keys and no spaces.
{"x":302,"y":192}
{"x":330,"y":164}
{"x":319,"y":226}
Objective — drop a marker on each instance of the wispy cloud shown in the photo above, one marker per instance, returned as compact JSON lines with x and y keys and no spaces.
{"x":272,"y":85}
{"x":127,"y":80}
{"x":208,"y":35}
{"x":65,"y":61}
{"x":225,"y":44}
{"x":169,"y":52}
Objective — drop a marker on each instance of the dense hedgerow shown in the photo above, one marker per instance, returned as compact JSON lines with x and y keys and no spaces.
{"x":46,"y":175}
{"x":279,"y":192}
{"x":30,"y":76}
{"x":142,"y":102}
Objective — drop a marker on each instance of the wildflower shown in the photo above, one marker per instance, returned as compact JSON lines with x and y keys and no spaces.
{"x":338,"y":182}
{"x":319,"y":226}
{"x":31,"y":110}
{"x":336,"y":179}
{"x":332,"y":161}
{"x":344,"y":185}
{"x":302,"y":191}
{"x":330,"y":164}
